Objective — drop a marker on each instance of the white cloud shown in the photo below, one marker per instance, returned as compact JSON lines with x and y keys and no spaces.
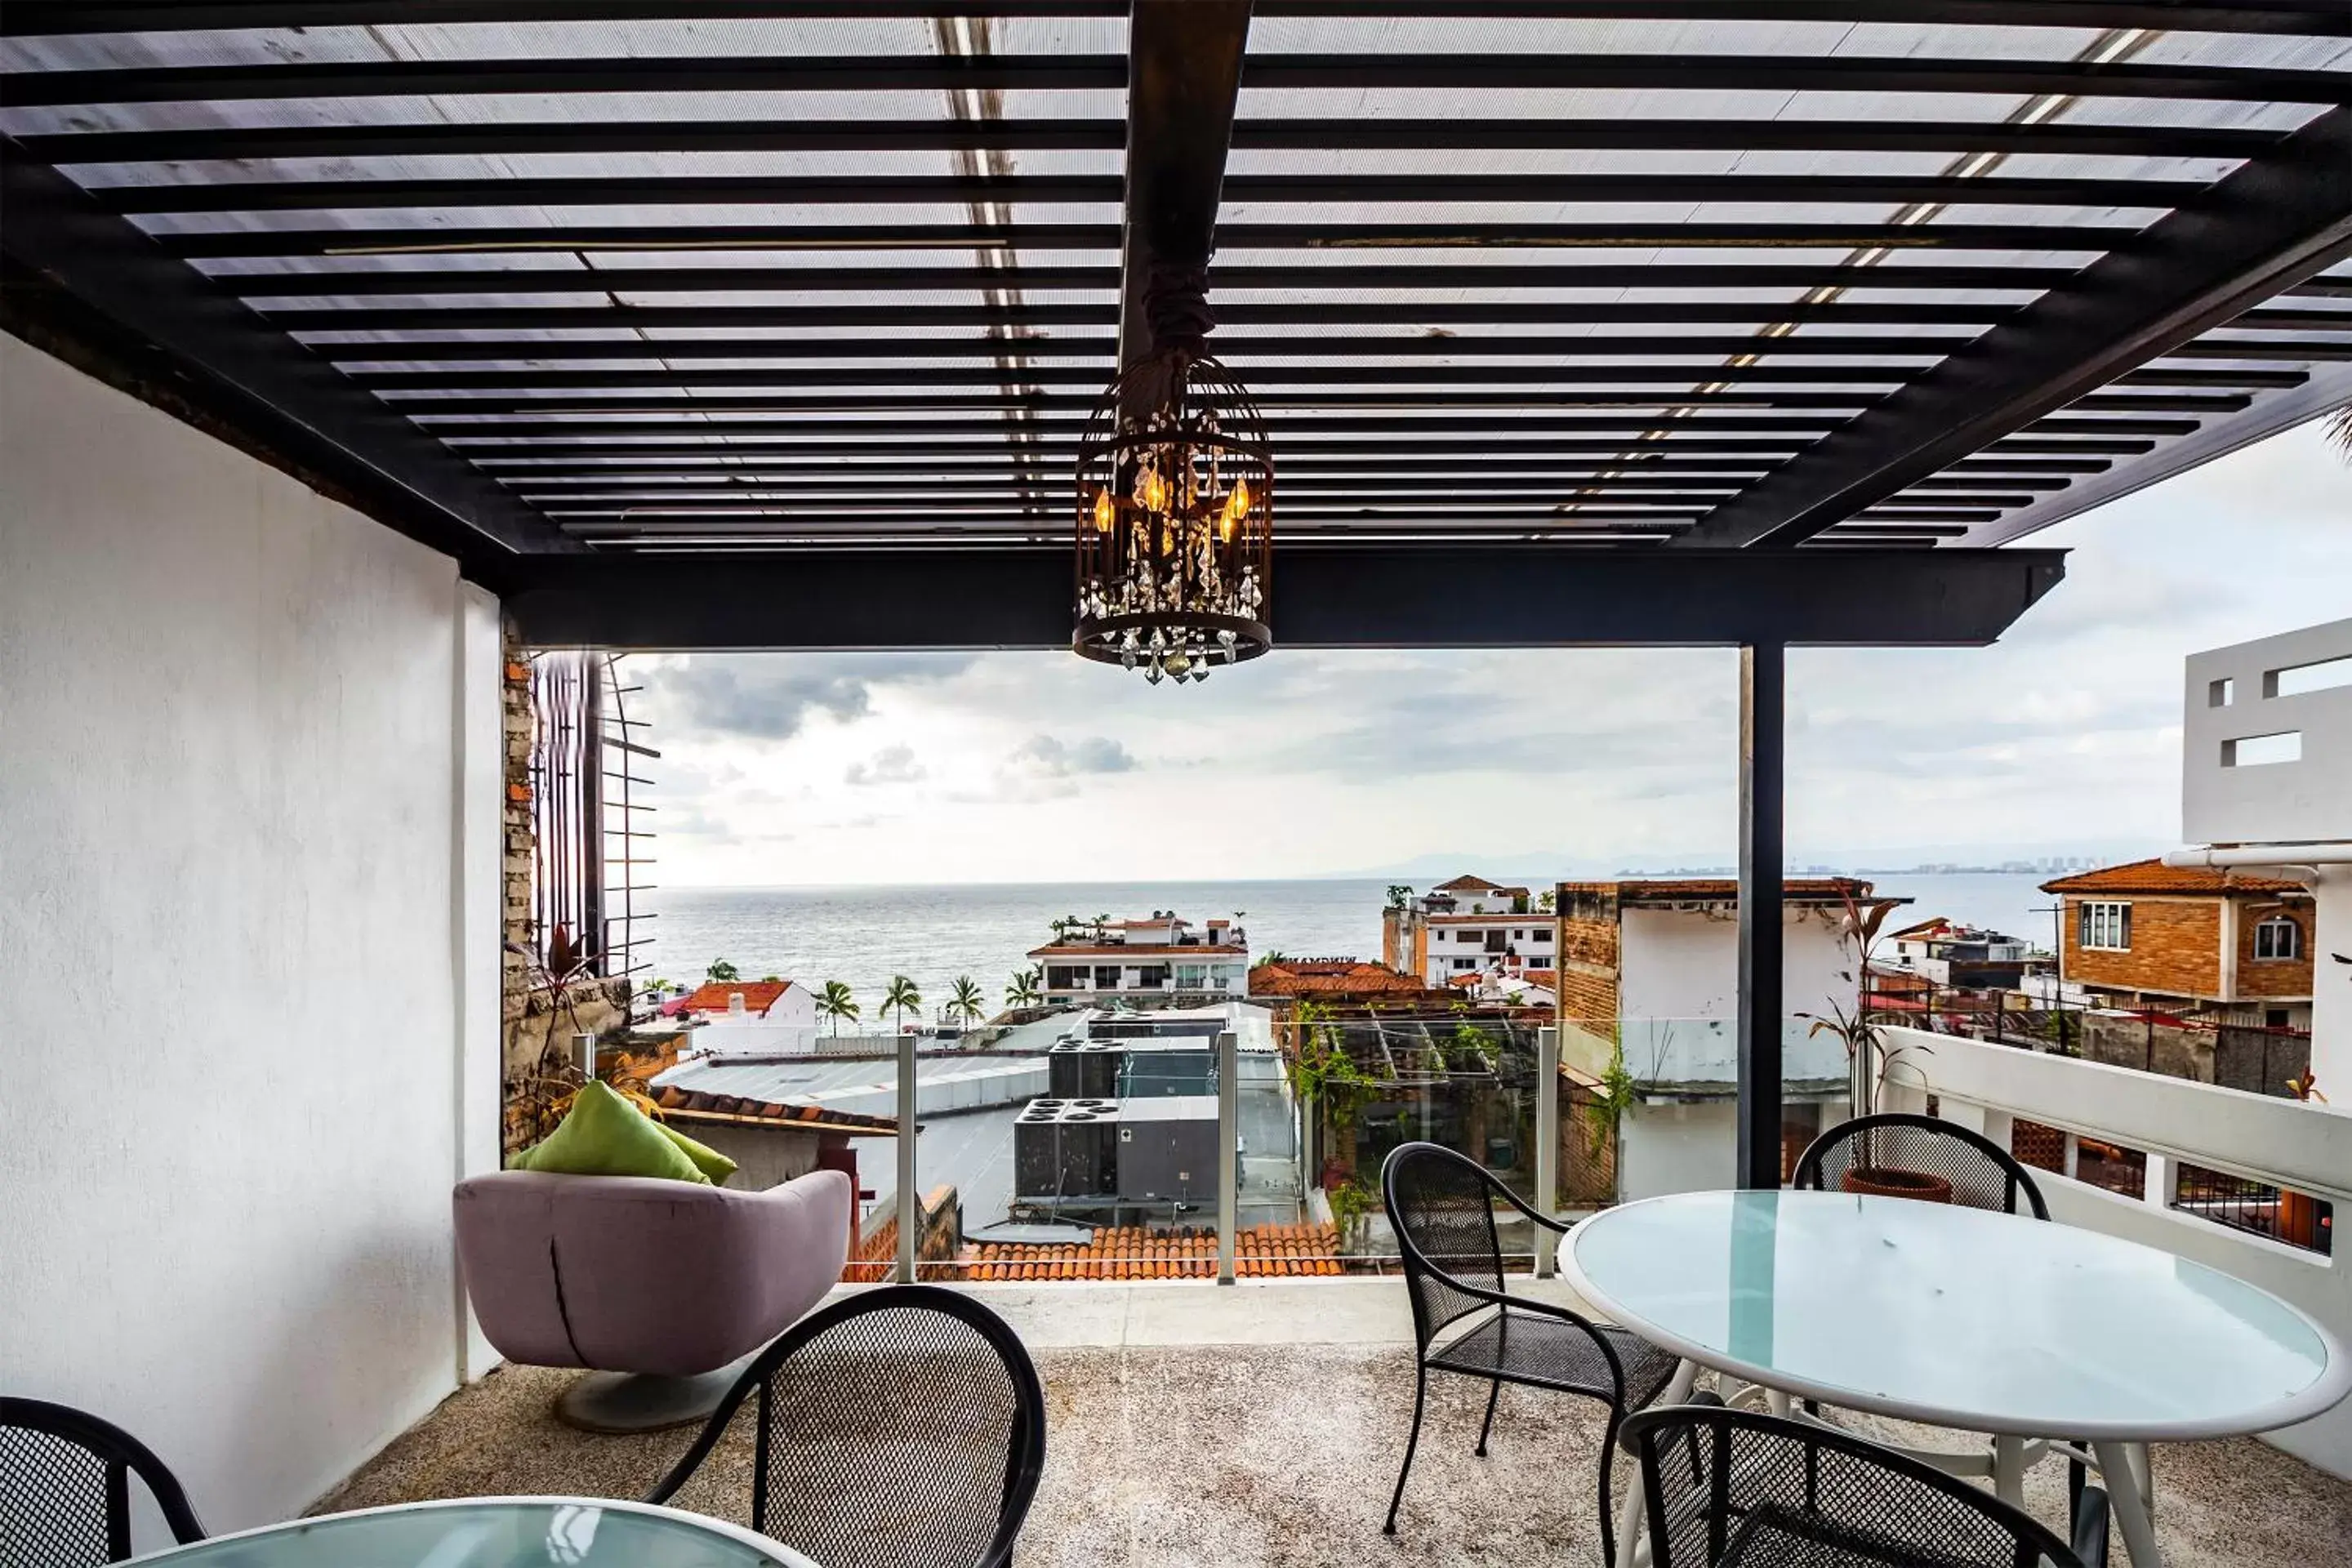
{"x":890,"y":766}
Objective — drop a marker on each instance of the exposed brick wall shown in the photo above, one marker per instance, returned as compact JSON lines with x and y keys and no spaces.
{"x":2273,"y":976}
{"x":2176,"y":945}
{"x":1589,"y":961}
{"x":515,"y":872}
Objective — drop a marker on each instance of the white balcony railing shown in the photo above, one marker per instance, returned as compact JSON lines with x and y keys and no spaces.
{"x":2304,"y":1148}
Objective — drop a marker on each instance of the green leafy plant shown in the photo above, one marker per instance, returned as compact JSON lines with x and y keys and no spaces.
{"x":964,"y":1000}
{"x":1399,"y":895}
{"x":1351,"y":1201}
{"x":1619,"y":1091}
{"x":836,"y":1002}
{"x":722,"y":970}
{"x":1024,"y":989}
{"x":902,"y":998}
{"x":1478,"y":1049}
{"x":1320,"y":1067}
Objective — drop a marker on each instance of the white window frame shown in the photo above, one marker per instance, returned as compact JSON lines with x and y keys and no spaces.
{"x":2104,"y":925}
{"x":2294,"y":947}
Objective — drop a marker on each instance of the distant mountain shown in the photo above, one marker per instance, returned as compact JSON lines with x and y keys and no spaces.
{"x":1534,"y":869}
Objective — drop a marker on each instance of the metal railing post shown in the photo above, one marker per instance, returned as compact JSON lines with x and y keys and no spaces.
{"x":1229,"y":1101}
{"x":910,"y":1199}
{"x":1546,"y":1142}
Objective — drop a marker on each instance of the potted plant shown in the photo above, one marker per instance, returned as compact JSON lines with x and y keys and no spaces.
{"x":1863,"y":1045}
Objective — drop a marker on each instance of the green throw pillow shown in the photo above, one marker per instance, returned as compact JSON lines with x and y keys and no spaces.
{"x":604,"y":1136}
{"x":713,"y":1164}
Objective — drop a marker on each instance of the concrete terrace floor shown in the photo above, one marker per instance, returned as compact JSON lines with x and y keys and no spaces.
{"x":1261,"y":1424}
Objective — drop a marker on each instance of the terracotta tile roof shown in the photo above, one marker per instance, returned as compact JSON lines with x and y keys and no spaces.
{"x":1540,"y":976}
{"x":1493,"y":917}
{"x":1131,"y":1252}
{"x":694,"y":1103}
{"x":759,"y":996}
{"x":2156,"y":877}
{"x":1474,"y":885}
{"x":1331,"y":977}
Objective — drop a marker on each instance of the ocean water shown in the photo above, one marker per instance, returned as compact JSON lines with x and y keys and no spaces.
{"x":864,"y":935}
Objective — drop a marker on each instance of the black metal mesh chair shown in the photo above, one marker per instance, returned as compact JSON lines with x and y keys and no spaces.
{"x":1982,"y":1174}
{"x":65,"y":1488}
{"x":1442,"y":1206}
{"x":1736,"y":1488}
{"x":903,"y":1424}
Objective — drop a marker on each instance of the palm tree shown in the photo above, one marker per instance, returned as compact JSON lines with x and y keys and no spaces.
{"x":966,"y":1003}
{"x":902,"y":998}
{"x":836,"y":1003}
{"x":2339,"y":429}
{"x":1024,"y":992}
{"x":722,"y":970}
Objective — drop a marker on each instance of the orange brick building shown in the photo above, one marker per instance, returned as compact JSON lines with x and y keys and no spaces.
{"x":2189,"y":940}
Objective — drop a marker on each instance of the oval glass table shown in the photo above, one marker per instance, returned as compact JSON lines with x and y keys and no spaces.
{"x":493,"y":1532}
{"x":1960,"y":1318}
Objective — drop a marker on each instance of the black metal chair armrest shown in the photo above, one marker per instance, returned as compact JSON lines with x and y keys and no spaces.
{"x":1557,"y":1226}
{"x":1541,"y":1309}
{"x":2091,"y":1527}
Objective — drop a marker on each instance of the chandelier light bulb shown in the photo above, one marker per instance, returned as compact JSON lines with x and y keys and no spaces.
{"x":1103,"y":510}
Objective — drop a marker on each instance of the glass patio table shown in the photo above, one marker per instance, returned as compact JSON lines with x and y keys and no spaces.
{"x":1960,"y":1318}
{"x":493,"y":1532}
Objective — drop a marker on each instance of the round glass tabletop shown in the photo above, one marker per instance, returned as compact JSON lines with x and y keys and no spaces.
{"x":1954,"y":1316}
{"x":494,"y":1532}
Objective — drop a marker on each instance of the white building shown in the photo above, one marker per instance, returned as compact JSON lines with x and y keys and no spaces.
{"x":1652,"y":969}
{"x":2266,"y":785}
{"x":746,"y":1017}
{"x":1163,"y":956}
{"x":1468,"y":926}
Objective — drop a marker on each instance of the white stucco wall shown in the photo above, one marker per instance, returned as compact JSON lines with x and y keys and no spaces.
{"x":249,"y":879}
{"x":1679,"y":992}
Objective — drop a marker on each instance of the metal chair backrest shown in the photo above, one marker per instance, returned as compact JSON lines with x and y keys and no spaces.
{"x":65,"y":1488}
{"x":1983,"y":1175}
{"x":1441,"y":1206}
{"x":1780,"y":1490}
{"x":905,"y":1424}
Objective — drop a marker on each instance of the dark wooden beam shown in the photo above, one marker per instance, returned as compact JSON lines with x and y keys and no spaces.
{"x":1364,"y":596}
{"x":2276,"y":222}
{"x":281,"y":397}
{"x":1184,"y":74}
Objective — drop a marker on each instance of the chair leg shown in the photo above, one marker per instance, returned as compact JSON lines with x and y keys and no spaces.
{"x":1607,"y":1452}
{"x":1494,"y":1393}
{"x":1420,"y":1391}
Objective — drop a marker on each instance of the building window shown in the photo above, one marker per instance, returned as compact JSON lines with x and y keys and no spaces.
{"x":2278,"y":936}
{"x":2105,"y":925}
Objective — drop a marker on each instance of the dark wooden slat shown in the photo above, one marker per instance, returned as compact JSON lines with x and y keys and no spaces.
{"x":24,"y":19}
{"x":193,"y":144}
{"x":593,"y":190}
{"x":1465,"y":73}
{"x":2276,"y":221}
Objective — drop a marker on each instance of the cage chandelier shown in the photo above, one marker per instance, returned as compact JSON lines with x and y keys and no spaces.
{"x":1175,"y":504}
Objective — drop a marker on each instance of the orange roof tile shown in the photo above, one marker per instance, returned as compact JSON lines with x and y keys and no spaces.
{"x":1675,"y":889}
{"x":759,"y":996}
{"x":1330,"y":976}
{"x":1131,"y":1252}
{"x":2156,"y":877}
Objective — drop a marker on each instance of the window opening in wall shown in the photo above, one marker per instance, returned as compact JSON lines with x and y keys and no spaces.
{"x":2298,"y":1219}
{"x":2111,"y":1166}
{"x":2263,"y":751}
{"x":2220,"y":693}
{"x":2278,"y":936}
{"x":2106,"y":926}
{"x":2323,"y":674}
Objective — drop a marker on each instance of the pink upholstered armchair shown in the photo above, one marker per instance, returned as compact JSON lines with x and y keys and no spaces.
{"x":658,"y":1286}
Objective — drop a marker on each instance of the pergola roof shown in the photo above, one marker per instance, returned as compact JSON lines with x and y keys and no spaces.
{"x":1506,"y":278}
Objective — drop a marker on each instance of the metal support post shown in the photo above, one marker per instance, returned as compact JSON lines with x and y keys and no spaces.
{"x":1763,"y":733}
{"x":1547,"y":1143}
{"x":910,"y":1199}
{"x":1229,"y":1101}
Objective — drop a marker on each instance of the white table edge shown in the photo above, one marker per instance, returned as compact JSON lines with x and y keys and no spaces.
{"x":777,"y":1549}
{"x":2322,"y":1395}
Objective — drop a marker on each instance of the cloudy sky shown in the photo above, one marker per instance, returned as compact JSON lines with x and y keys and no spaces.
{"x":828,"y":769}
